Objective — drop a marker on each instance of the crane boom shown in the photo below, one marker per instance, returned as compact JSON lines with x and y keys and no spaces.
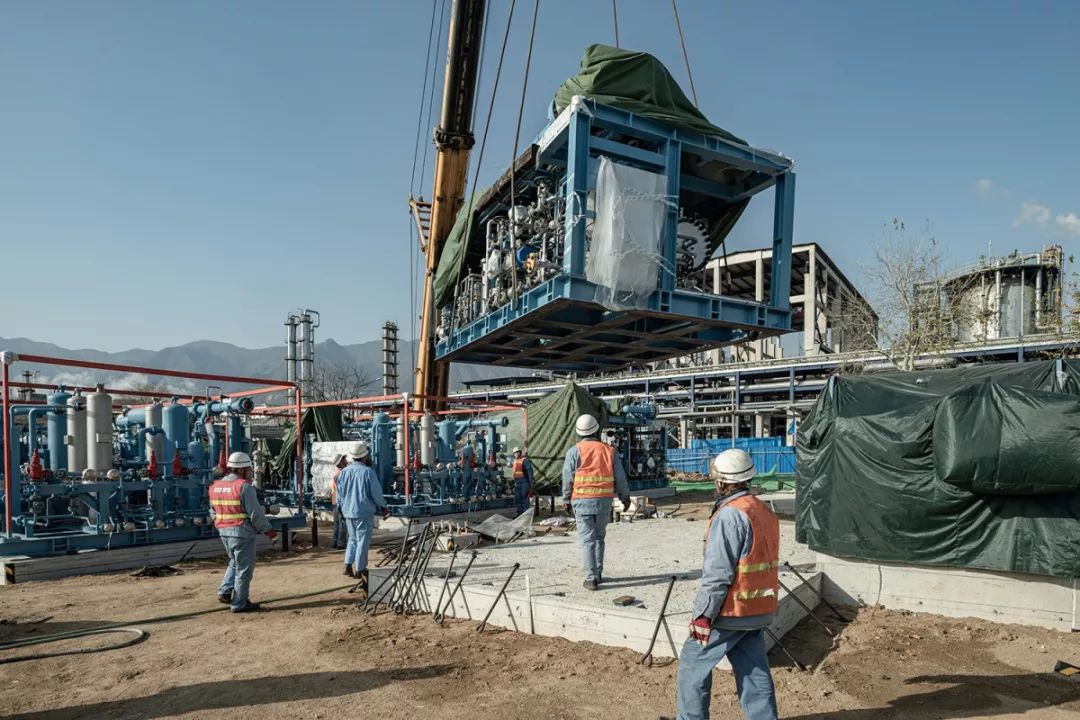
{"x":453,"y":141}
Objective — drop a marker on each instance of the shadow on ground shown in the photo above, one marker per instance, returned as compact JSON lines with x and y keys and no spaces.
{"x":966,"y":696}
{"x":239,"y":694}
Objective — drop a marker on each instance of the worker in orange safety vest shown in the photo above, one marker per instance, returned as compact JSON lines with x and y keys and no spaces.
{"x":737,"y":599}
{"x":591,"y":478}
{"x":239,"y":519}
{"x":523,"y":475}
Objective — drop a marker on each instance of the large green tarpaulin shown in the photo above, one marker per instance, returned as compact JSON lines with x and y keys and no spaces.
{"x":323,"y":422}
{"x":639,"y":83}
{"x":551,"y":431}
{"x":973,"y":467}
{"x":454,"y":251}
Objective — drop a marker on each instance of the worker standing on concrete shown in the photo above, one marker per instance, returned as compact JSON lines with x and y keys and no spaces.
{"x":592,"y":476}
{"x":738,"y":597}
{"x":340,"y":534}
{"x":523,"y":476}
{"x":359,"y":495}
{"x":239,"y":519}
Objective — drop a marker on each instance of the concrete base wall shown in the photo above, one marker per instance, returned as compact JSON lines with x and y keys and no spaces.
{"x":954,"y":592}
{"x":616,"y":627}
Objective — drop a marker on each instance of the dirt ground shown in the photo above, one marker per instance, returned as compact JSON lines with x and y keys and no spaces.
{"x":318,"y":657}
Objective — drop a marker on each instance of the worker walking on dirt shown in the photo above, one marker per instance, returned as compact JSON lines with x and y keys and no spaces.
{"x":737,"y":599}
{"x":340,"y":534}
{"x":523,"y":475}
{"x":239,"y":518}
{"x":359,"y":495}
{"x":592,"y":476}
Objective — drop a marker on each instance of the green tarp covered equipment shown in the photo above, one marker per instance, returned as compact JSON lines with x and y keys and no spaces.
{"x":632,"y":81}
{"x":639,"y":83}
{"x":551,"y":431}
{"x":974,"y":467}
{"x":323,"y":422}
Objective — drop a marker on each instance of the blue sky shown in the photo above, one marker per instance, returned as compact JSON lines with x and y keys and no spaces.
{"x":172,"y":171}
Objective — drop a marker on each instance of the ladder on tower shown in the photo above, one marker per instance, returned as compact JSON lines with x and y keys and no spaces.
{"x":421,"y":212}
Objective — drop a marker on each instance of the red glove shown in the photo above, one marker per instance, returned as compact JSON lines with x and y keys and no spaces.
{"x":530,"y":492}
{"x":386,"y":513}
{"x":700,"y":629}
{"x":272,"y":534}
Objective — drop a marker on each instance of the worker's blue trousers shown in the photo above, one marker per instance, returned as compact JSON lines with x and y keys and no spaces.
{"x":521,"y":495}
{"x":237,"y":580}
{"x":592,"y":529}
{"x":745,"y":650}
{"x":340,"y":533}
{"x":356,"y":552}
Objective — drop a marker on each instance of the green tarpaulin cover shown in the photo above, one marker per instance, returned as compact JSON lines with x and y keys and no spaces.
{"x":452,"y":259}
{"x":639,"y":83}
{"x":551,"y":431}
{"x":324,"y":422}
{"x":974,"y":467}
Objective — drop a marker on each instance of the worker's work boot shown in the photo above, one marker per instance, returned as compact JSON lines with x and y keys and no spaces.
{"x":247,"y":607}
{"x":225,"y":598}
{"x":348,"y":571}
{"x":590,"y":585}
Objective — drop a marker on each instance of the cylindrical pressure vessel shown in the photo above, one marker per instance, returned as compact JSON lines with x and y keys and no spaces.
{"x":56,"y":424}
{"x":399,"y":445}
{"x":175,"y":421}
{"x":99,"y":449}
{"x":154,"y":441}
{"x":427,"y":440}
{"x":76,"y":433}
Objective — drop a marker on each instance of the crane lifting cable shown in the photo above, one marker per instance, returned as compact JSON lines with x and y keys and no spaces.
{"x":686,"y":57}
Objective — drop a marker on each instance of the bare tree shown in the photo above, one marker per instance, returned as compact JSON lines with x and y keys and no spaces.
{"x":918,"y":305}
{"x":339,"y":382}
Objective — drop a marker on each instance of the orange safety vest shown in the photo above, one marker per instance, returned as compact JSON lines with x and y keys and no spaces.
{"x":595,"y":475}
{"x":225,"y":501}
{"x":519,"y":468}
{"x":755,"y":589}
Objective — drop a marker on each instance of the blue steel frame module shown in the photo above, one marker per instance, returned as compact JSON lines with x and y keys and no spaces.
{"x":558,"y":316}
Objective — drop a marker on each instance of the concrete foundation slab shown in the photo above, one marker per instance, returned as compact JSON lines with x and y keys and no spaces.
{"x":954,"y":592}
{"x":546,"y":596}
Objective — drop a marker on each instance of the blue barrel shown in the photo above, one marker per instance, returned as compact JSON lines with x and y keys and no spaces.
{"x":56,"y":424}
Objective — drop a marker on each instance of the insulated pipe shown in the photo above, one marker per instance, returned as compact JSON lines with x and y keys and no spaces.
{"x":242,"y":405}
{"x":463,"y":425}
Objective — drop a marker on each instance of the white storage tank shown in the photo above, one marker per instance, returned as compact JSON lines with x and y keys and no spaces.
{"x":156,"y":442}
{"x":76,"y":434}
{"x":99,"y":432}
{"x":427,"y":440}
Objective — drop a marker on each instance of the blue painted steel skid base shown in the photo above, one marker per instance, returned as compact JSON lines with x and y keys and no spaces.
{"x":558,"y":325}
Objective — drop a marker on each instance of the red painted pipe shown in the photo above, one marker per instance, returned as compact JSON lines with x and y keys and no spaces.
{"x":299,"y":451}
{"x":7,"y":453}
{"x":151,"y":371}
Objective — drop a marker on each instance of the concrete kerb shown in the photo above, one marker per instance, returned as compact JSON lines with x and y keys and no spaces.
{"x":552,"y":616}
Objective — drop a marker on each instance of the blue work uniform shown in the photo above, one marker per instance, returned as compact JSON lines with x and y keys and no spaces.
{"x":359,"y":495}
{"x":592,"y":514}
{"x":522,"y":486}
{"x":740,"y":639}
{"x":239,"y":542}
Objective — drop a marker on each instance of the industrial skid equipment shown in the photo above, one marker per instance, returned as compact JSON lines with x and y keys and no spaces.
{"x":80,"y":475}
{"x":537,"y":285}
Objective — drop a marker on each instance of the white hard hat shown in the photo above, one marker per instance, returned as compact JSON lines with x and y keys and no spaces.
{"x":586,"y":425}
{"x":517,"y":450}
{"x":239,"y":460}
{"x":733,"y":466}
{"x":113,"y":475}
{"x":358,"y":450}
{"x":338,"y":458}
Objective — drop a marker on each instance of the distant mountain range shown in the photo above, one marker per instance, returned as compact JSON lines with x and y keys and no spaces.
{"x":209,"y":356}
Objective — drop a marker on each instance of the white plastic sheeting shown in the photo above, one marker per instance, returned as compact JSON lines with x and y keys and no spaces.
{"x":503,"y":528}
{"x":625,"y":255}
{"x":322,"y":466}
